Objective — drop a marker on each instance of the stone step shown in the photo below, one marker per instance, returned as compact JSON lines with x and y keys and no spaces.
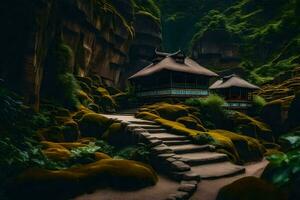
{"x":142,"y":122}
{"x":201,"y":158}
{"x":168,"y":136}
{"x":218,"y":170}
{"x":189,"y":148}
{"x":145,"y":126}
{"x":155,"y":130}
{"x":177,"y":142}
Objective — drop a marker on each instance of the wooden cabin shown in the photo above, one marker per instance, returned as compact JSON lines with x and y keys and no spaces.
{"x":172,"y":75}
{"x":237,"y":92}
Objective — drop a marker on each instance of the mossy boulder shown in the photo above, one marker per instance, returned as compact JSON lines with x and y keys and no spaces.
{"x":52,"y":133}
{"x":66,"y":145}
{"x":242,"y":148}
{"x":146,"y":115}
{"x":94,"y":125}
{"x":94,"y":107}
{"x":191,"y":122}
{"x":250,"y":188}
{"x":101,"y":91}
{"x":170,"y":111}
{"x":85,"y":87}
{"x":70,"y":131}
{"x":252,"y":127}
{"x":88,"y":81}
{"x":58,"y":153}
{"x":101,"y":156}
{"x":115,"y":135}
{"x":46,"y":184}
{"x":84,"y":98}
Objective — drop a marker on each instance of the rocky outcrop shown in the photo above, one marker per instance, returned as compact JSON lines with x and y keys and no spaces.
{"x":147,"y":38}
{"x":100,"y":34}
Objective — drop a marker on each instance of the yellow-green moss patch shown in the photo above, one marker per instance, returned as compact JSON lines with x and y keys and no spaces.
{"x":38,"y":183}
{"x":93,"y":125}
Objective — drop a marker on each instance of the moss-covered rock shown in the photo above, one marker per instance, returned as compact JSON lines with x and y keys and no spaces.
{"x":53,"y":134}
{"x":250,"y":188}
{"x":252,"y":127}
{"x":70,"y":131}
{"x":115,"y":135}
{"x":93,"y":125}
{"x":94,"y":107}
{"x":46,"y":184}
{"x":88,"y":81}
{"x":84,"y":98}
{"x":170,"y":111}
{"x":101,"y":156}
{"x":243,"y":148}
{"x":58,"y":153}
{"x":191,"y":122}
{"x":146,"y":115}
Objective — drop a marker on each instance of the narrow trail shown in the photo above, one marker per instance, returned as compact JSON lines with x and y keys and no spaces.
{"x":214,"y":168}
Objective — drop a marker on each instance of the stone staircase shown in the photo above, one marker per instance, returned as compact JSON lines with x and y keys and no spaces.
{"x":178,"y":157}
{"x":202,"y":158}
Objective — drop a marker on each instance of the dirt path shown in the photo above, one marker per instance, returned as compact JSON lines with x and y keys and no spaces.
{"x":158,"y":192}
{"x":208,"y":189}
{"x":211,"y":166}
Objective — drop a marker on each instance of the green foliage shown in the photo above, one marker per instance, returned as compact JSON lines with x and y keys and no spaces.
{"x":183,"y":15}
{"x":139,"y":152}
{"x":149,"y":6}
{"x":258,"y":103}
{"x":267,"y":31}
{"x":18,"y":149}
{"x":63,"y":55}
{"x":86,"y":154}
{"x":286,"y":167}
{"x":290,"y":140}
{"x":211,"y":111}
{"x":204,"y":139}
{"x":67,"y":88}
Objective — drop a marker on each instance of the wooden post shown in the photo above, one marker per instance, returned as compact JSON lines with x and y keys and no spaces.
{"x":240,"y":93}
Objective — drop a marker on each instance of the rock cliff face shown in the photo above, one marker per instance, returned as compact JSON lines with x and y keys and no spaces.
{"x":147,"y":39}
{"x":99,"y":32}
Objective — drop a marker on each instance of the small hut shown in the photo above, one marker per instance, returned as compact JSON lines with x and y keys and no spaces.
{"x":172,"y":75}
{"x":237,"y":92}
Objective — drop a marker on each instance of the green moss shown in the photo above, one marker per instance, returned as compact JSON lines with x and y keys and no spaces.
{"x":102,"y":91}
{"x":169,"y":111}
{"x":66,"y":91}
{"x":252,"y":127}
{"x":146,"y":116}
{"x":119,"y":173}
{"x":93,"y":125}
{"x":57,"y":154}
{"x":63,"y":56}
{"x":115,"y":135}
{"x":243,"y":148}
{"x":53,"y":133}
{"x":191,"y":122}
{"x":101,"y":156}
